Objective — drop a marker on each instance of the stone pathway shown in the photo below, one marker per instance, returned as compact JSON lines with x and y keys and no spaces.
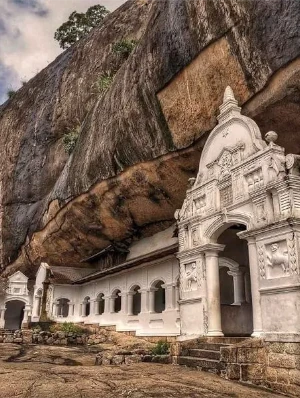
{"x":41,"y":372}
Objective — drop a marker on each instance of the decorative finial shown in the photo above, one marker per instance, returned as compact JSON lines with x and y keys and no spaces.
{"x":271,"y":137}
{"x":229,"y":106}
{"x":228,"y":94}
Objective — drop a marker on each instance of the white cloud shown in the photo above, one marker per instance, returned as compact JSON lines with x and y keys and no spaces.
{"x":26,"y":35}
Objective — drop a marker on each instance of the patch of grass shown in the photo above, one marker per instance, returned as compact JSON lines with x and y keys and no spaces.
{"x":70,"y":140}
{"x":67,"y":327}
{"x":104,"y":82}
{"x":161,"y":348}
{"x":124,"y":47}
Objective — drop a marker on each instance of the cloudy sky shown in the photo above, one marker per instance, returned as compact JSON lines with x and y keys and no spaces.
{"x":26,"y":36}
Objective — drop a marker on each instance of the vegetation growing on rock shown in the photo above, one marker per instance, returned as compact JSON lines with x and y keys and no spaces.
{"x":79,"y":25}
{"x":70,"y":140}
{"x":104,"y":82}
{"x":124,"y":47}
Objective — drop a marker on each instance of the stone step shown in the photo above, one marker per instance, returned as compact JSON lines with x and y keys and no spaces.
{"x":222,"y":340}
{"x":202,"y":363}
{"x":203,"y":346}
{"x":209,"y":354}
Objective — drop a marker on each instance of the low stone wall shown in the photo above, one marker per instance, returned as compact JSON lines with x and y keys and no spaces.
{"x":17,"y":336}
{"x":127,"y":357}
{"x":274,"y":365}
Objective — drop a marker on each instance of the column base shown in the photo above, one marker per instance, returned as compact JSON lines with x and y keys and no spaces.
{"x":257,"y":333}
{"x":215,"y":333}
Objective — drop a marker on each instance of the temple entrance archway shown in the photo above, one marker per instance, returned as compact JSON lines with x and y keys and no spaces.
{"x":235,"y":286}
{"x":14,"y":314}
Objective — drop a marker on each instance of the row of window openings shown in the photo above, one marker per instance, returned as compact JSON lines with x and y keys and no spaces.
{"x":159,"y":302}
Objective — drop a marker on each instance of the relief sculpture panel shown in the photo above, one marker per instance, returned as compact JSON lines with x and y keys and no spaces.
{"x":277,"y":259}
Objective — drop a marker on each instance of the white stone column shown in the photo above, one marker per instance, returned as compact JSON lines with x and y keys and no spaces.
{"x":2,"y":314}
{"x":56,"y":309}
{"x":27,"y":310}
{"x":130,"y":303}
{"x":93,"y":305}
{"x":36,"y":306}
{"x":112,"y":304}
{"x":238,"y":286}
{"x":71,"y":308}
{"x":106,"y":304}
{"x":96,"y":306}
{"x":152,"y":299}
{"x":213,"y":290}
{"x":170,"y":296}
{"x":83,"y":309}
{"x":254,"y":276}
{"x":144,"y":300}
{"x":177,"y":298}
{"x":123,"y":303}
{"x":247,"y":287}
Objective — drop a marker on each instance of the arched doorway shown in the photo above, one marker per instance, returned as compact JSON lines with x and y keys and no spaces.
{"x":159,"y":297}
{"x":14,"y":314}
{"x":136,"y":300}
{"x":235,"y":288}
{"x":63,"y":307}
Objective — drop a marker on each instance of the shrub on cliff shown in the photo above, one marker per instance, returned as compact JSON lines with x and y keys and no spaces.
{"x":124,"y":47}
{"x":104,"y":82}
{"x":70,"y":140}
{"x":79,"y":25}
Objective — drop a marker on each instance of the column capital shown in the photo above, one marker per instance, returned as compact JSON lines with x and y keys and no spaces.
{"x":212,"y":249}
{"x":236,"y":272}
{"x":251,"y":240}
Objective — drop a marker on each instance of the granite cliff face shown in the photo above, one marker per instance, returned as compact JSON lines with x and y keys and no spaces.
{"x":140,"y":141}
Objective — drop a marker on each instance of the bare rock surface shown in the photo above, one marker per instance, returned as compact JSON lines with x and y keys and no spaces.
{"x":35,"y":379}
{"x":140,"y":141}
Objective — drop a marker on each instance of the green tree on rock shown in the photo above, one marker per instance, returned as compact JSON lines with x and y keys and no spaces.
{"x":79,"y":25}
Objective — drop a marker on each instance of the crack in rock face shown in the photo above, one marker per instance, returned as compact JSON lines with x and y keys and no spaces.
{"x":141,"y":140}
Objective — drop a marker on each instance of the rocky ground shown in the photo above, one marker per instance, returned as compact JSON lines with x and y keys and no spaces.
{"x":58,"y":372}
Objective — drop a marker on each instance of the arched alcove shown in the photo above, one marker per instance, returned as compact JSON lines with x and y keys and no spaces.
{"x":14,"y":314}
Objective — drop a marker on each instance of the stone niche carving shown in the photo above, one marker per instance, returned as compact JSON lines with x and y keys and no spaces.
{"x":195,"y":237}
{"x":199,"y":204}
{"x":191,"y":276}
{"x":277,"y":259}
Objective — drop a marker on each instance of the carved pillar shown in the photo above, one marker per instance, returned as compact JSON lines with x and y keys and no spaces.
{"x":93,"y":304}
{"x":177,"y":297}
{"x":238,"y":286}
{"x":170,"y":296}
{"x":247,"y":287}
{"x":213,"y":290}
{"x":130,"y":303}
{"x":123,"y":302}
{"x":112,"y":304}
{"x":2,"y":314}
{"x":106,"y":304}
{"x":25,"y":322}
{"x":36,"y":307}
{"x":96,"y":306}
{"x":152,"y":299}
{"x":144,"y":300}
{"x":71,"y":308}
{"x":254,"y":276}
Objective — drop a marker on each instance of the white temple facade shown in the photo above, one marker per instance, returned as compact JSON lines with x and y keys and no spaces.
{"x":239,"y":234}
{"x":233,"y":270}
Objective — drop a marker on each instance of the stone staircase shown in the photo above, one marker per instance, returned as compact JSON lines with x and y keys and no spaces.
{"x":204,"y":353}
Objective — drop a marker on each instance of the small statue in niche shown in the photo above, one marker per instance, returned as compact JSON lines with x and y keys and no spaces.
{"x":191,"y":276}
{"x":278,"y":257}
{"x":195,"y":237}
